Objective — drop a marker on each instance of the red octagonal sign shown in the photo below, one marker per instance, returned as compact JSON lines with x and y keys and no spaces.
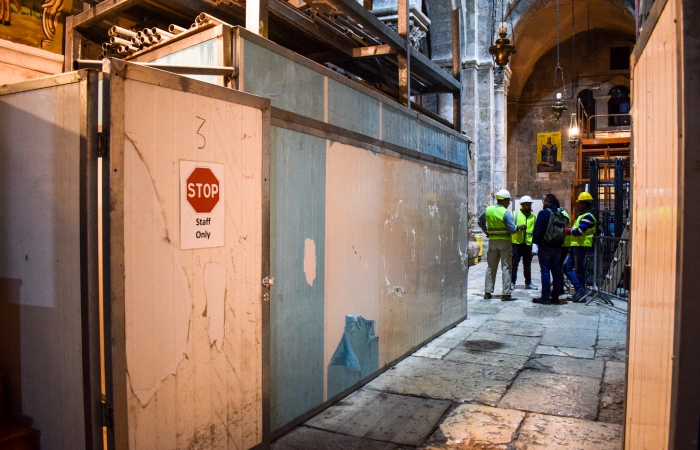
{"x":202,"y":190}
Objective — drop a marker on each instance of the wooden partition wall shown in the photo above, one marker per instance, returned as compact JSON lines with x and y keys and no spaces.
{"x":663,"y":393}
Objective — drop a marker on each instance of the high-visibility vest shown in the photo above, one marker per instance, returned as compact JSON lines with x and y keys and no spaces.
{"x":567,"y":239}
{"x":526,"y":235}
{"x":495,"y":224}
{"x":587,"y":239}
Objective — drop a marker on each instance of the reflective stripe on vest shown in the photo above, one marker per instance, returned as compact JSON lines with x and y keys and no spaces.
{"x":587,"y":239}
{"x":495,"y":224}
{"x":526,"y":236}
{"x":567,"y":239}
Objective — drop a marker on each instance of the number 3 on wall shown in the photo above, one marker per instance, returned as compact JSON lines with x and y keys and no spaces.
{"x":203,"y":139}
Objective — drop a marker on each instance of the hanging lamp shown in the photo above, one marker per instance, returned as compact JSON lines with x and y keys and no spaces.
{"x":502,"y":49}
{"x":558,"y":107}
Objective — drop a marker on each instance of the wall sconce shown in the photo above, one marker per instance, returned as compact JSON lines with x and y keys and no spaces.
{"x":574,"y":138}
{"x":558,"y":107}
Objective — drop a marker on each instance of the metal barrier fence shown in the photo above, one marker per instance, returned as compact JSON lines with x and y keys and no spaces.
{"x":606,"y":278}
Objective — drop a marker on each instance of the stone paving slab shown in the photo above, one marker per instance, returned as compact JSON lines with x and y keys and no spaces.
{"x":525,"y":313}
{"x":476,"y":427}
{"x":473,"y":321}
{"x":565,"y":351}
{"x":384,"y":417}
{"x":501,"y":343}
{"x":490,"y":307}
{"x":612,"y":343}
{"x":562,"y":433}
{"x":462,"y":354}
{"x":611,"y":354}
{"x":569,"y":337}
{"x":561,"y":395}
{"x":304,"y":438}
{"x":515,"y":328}
{"x":430,"y":351}
{"x":576,"y":321}
{"x":567,"y":366}
{"x":612,"y":395}
{"x":447,"y":380}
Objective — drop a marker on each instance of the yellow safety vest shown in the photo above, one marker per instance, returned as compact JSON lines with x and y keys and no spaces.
{"x":587,"y":239}
{"x":524,"y":236}
{"x":567,"y":239}
{"x":495,"y":224}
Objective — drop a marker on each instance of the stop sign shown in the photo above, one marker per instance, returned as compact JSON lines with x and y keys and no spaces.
{"x":202,"y":190}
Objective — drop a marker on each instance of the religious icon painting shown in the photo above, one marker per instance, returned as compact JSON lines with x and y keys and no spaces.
{"x":549,"y":152}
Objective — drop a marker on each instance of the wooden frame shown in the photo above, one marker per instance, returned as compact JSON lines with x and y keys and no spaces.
{"x":114,"y":245}
{"x":87,"y":81}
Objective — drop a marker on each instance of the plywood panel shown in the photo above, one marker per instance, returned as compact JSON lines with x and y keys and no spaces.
{"x":40,"y":273}
{"x":298,"y":202}
{"x":396,"y":241}
{"x":654,"y":231}
{"x":193,"y":317}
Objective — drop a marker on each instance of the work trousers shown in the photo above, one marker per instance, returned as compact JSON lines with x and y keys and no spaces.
{"x":575,"y":267}
{"x":523,"y":251}
{"x":549,"y":262}
{"x":499,"y":251}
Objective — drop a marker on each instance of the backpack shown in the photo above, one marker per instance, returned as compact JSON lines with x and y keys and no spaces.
{"x":555,"y":227}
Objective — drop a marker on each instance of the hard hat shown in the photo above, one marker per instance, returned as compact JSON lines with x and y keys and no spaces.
{"x":502,"y":195}
{"x":525,"y":199}
{"x":584,"y":197}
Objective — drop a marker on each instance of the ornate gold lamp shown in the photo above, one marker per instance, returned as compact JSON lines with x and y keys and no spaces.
{"x":502,"y":49}
{"x":558,"y":107}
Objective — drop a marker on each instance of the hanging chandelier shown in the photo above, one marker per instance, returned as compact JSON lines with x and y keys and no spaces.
{"x":502,"y":49}
{"x":558,"y":107}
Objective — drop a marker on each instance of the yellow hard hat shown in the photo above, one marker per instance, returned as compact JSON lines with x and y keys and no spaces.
{"x":584,"y":197}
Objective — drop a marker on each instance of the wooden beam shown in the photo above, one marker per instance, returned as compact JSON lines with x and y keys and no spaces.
{"x":101,"y":11}
{"x":256,"y":13}
{"x":404,"y":58}
{"x":456,"y":72}
{"x":369,"y":52}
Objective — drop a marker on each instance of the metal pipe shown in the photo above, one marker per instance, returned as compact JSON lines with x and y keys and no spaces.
{"x":174,"y":29}
{"x":127,"y":49}
{"x":159,"y":32}
{"x":174,"y":68}
{"x":117,"y":40}
{"x":115,"y":31}
{"x":367,"y":38}
{"x":204,"y":17}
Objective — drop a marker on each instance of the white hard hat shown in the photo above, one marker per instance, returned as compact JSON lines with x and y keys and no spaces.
{"x":525,"y":199}
{"x":502,"y":195}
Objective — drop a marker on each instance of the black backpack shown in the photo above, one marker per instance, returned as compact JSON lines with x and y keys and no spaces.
{"x":555,"y":228}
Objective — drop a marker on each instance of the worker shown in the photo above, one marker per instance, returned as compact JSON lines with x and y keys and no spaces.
{"x":581,"y":243}
{"x":522,"y":242}
{"x":549,"y":235}
{"x":497,"y":223}
{"x":565,"y":250}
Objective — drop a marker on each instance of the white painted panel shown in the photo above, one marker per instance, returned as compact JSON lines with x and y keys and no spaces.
{"x":40,"y":298}
{"x":193,"y":328}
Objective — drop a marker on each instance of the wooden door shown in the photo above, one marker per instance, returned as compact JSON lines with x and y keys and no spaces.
{"x":188,"y":221}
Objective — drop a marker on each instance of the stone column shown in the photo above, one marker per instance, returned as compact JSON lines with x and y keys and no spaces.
{"x":484,"y":138}
{"x":500,"y":115}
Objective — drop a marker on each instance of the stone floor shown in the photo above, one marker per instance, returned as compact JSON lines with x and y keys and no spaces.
{"x":513,"y":375}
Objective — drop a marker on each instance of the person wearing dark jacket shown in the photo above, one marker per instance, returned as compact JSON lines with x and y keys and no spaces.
{"x":548,"y":255}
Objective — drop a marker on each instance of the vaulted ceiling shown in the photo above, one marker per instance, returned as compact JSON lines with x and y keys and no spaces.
{"x":536,"y":30}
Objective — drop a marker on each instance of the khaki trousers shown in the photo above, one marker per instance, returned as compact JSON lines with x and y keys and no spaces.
{"x":499,"y":251}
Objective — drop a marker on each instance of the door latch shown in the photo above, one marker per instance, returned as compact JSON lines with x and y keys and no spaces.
{"x":268,"y":282}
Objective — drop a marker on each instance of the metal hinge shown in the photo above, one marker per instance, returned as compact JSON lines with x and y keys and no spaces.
{"x":102,"y":145}
{"x":107,"y":414}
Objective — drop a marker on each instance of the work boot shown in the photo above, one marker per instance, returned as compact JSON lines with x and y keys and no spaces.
{"x":507,"y":298}
{"x":530,"y":286}
{"x":487,"y":295}
{"x":542,"y":301}
{"x":578,"y":297}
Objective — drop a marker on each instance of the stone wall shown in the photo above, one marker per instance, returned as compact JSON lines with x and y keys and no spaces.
{"x":530,"y":112}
